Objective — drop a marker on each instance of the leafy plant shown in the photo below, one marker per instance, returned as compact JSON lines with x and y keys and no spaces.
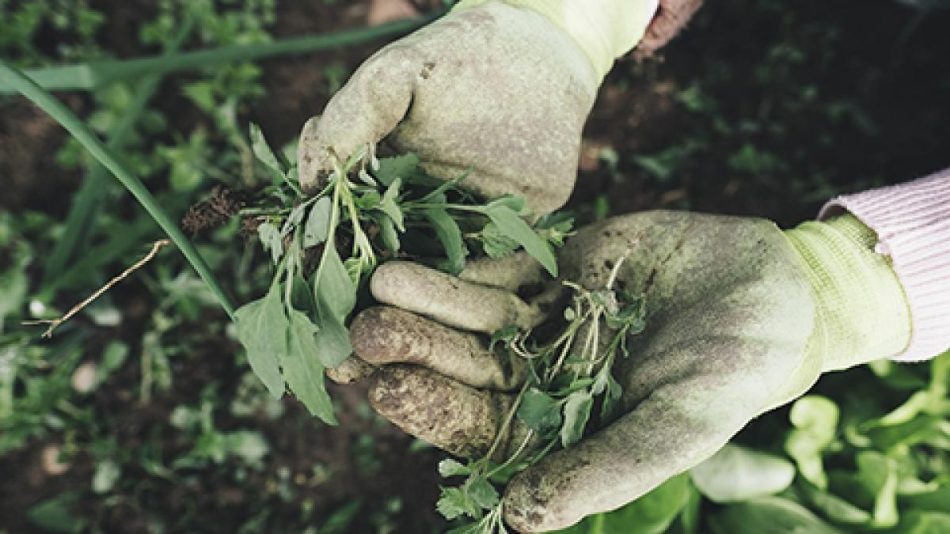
{"x":369,"y":209}
{"x":569,"y":386}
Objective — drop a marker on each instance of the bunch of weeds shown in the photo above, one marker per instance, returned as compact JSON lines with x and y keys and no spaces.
{"x":325,"y":247}
{"x":569,"y":390}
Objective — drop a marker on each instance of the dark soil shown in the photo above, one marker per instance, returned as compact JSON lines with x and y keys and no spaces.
{"x":836,"y":98}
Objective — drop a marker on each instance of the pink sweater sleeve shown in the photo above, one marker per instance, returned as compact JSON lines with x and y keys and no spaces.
{"x":912,"y":222}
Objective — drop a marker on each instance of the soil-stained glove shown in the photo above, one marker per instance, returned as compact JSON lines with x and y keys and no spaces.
{"x":500,"y":90}
{"x":741,"y":318}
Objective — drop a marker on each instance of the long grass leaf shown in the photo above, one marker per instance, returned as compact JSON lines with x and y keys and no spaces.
{"x":81,"y":220}
{"x":54,"y":108}
{"x":88,"y":76}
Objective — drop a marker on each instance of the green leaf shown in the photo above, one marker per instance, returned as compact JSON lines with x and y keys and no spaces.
{"x":387,"y":231}
{"x":815,"y":419}
{"x":303,"y":370}
{"x":540,"y":412}
{"x":937,"y":500}
{"x":896,"y":375}
{"x":301,"y":296}
{"x":334,"y":290}
{"x":317,"y":227}
{"x":452,"y":468}
{"x":920,"y":429}
{"x":651,"y":514}
{"x":921,"y":522}
{"x":576,"y":414}
{"x":389,"y":206}
{"x":263,"y":152}
{"x":58,"y":514}
{"x":248,"y":445}
{"x":555,"y":227}
{"x":402,"y":167}
{"x":737,"y":474}
{"x":368,"y":200}
{"x":293,"y":219}
{"x":689,"y":517}
{"x":454,"y":503}
{"x":332,"y":341}
{"x":496,"y":244}
{"x":366,"y":178}
{"x":106,"y":475}
{"x":272,"y":241}
{"x":13,"y":282}
{"x":611,"y":402}
{"x":449,"y":234}
{"x":262,"y":329}
{"x":769,"y":515}
{"x":335,"y":295}
{"x":482,"y":492}
{"x":833,"y":507}
{"x":202,"y":94}
{"x":512,"y":202}
{"x":878,"y":474}
{"x":438,"y":194}
{"x":513,"y":226}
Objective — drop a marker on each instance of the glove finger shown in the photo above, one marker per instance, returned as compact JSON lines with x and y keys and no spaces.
{"x":678,"y":426}
{"x":450,"y":300}
{"x":384,"y":335}
{"x":510,"y":273}
{"x":366,"y":109}
{"x":448,"y":414}
{"x":352,"y":370}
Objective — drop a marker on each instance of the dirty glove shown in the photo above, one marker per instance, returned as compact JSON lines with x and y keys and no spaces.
{"x":741,"y":318}
{"x":500,"y":90}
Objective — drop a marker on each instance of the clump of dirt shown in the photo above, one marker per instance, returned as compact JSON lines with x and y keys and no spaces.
{"x":221,"y":205}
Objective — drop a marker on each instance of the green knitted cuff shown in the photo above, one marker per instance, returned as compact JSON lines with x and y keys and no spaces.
{"x":862,"y":312}
{"x":603,"y":29}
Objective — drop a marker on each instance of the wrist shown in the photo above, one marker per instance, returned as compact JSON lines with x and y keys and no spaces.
{"x":862,"y":312}
{"x":912,"y":223}
{"x":603,"y":29}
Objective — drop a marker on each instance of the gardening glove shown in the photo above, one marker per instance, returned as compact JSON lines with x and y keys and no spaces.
{"x":740,"y":318}
{"x":496,"y":90}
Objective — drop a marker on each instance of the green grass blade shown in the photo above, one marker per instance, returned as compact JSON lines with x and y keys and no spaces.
{"x":55,"y":109}
{"x":88,"y":76}
{"x":80,"y":222}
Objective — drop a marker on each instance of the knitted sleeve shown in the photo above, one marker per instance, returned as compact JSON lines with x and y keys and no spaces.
{"x":912,"y":222}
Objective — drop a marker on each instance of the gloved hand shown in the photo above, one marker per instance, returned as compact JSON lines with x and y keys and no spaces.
{"x":498,"y":89}
{"x":741,"y":318}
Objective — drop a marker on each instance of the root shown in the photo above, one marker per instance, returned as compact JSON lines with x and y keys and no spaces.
{"x":54,"y":323}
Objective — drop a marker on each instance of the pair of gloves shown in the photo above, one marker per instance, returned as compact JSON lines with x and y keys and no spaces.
{"x":741,"y":316}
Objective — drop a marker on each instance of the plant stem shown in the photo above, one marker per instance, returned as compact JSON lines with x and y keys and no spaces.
{"x":331,"y":228}
{"x":61,"y":114}
{"x":507,"y":422}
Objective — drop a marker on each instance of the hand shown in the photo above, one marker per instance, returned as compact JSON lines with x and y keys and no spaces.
{"x":671,"y":18}
{"x":741,"y":318}
{"x":496,"y":91}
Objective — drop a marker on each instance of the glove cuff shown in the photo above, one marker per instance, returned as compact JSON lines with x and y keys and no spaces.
{"x":862,"y":311}
{"x":603,"y":29}
{"x":912,"y":222}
